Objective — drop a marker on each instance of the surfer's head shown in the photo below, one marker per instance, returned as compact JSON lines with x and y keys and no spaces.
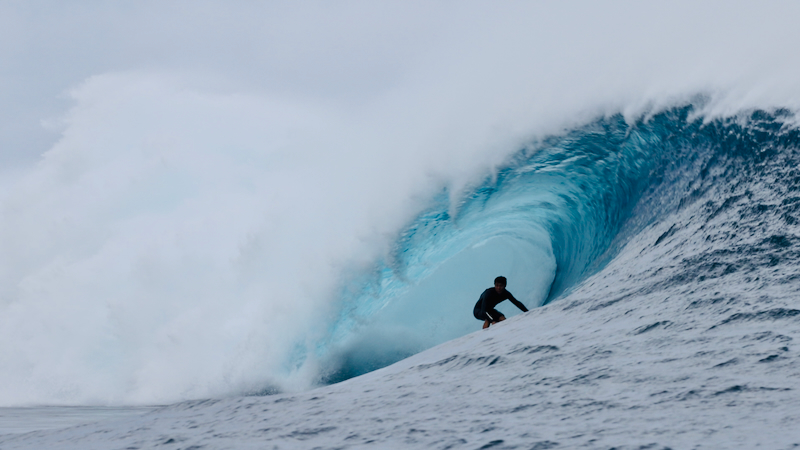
{"x":500,"y":284}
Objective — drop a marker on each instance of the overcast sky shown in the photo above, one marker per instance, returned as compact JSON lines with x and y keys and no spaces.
{"x":352,"y":51}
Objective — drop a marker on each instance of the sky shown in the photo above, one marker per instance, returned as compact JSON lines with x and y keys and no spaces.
{"x":350,"y":53}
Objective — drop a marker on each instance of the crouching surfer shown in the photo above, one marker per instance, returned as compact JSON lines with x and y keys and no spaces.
{"x":484,"y":309}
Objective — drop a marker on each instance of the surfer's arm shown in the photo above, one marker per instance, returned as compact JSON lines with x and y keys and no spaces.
{"x":517,"y":303}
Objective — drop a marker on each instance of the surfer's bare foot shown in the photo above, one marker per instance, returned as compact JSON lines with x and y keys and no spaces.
{"x":485,"y":324}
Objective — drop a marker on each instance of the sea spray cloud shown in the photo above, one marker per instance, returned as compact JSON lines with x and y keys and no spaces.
{"x":178,"y":244}
{"x":219,"y":168}
{"x":141,"y":247}
{"x":130,"y":243}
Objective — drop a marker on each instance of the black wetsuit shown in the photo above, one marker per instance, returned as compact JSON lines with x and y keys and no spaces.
{"x":484,"y":309}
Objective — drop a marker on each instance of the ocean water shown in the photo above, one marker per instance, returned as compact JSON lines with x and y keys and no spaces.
{"x":668,"y":319}
{"x":32,"y":418}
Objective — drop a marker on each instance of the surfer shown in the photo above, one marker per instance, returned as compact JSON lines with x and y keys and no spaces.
{"x":484,"y":309}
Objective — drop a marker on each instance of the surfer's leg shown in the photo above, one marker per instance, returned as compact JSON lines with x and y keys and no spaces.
{"x":495,"y":316}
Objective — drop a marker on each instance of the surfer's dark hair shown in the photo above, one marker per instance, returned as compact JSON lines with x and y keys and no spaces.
{"x":501,"y":280}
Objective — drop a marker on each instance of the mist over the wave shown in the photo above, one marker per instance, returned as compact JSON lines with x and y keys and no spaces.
{"x":185,"y":221}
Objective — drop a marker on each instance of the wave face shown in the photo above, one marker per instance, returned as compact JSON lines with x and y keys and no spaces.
{"x":562,"y":208}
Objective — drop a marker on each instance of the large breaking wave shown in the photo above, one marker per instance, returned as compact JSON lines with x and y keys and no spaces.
{"x":560,"y":209}
{"x":141,"y":293}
